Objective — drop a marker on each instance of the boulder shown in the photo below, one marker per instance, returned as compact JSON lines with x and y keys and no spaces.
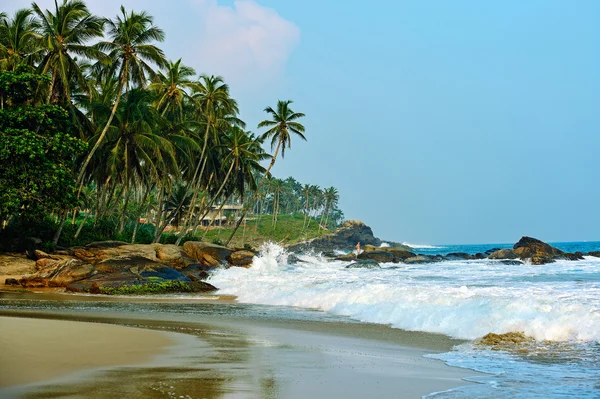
{"x":572,"y":256}
{"x":11,"y":281}
{"x":420,"y":259}
{"x":60,"y":274}
{"x":98,"y":252}
{"x":349,"y":257}
{"x":538,"y":251}
{"x":197,"y":271}
{"x":134,"y":264}
{"x":345,"y":238}
{"x":399,"y":253}
{"x":503,"y":254}
{"x":491,"y":251}
{"x":364,"y":264}
{"x":206,"y":253}
{"x":458,"y":256}
{"x":173,"y":255}
{"x":594,"y":253}
{"x":163,"y":273}
{"x":241,"y":258}
{"x":370,"y":248}
{"x":111,"y":280}
{"x":511,"y":262}
{"x":44,"y":263}
{"x":379,"y":256}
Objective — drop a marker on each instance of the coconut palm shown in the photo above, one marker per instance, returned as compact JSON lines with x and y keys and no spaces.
{"x":131,"y":53}
{"x":19,"y":39}
{"x":65,"y":34}
{"x":282,"y":126}
{"x":173,"y":87}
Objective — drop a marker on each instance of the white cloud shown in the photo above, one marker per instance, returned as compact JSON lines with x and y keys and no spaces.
{"x":246,"y":43}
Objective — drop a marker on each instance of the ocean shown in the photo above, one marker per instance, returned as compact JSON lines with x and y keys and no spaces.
{"x":558,"y":305}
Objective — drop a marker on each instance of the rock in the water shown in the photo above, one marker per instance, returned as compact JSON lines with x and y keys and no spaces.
{"x":572,"y":256}
{"x":503,"y":254}
{"x":241,"y":258}
{"x":511,"y":262}
{"x":379,"y":256}
{"x":346,"y":237}
{"x":349,"y":257}
{"x":399,"y":253}
{"x":458,"y":256}
{"x":206,"y":253}
{"x":538,"y":251}
{"x":419,"y":259}
{"x":364,"y":264}
{"x":197,"y":271}
{"x":594,"y":253}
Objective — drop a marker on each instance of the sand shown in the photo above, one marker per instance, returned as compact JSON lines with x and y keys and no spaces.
{"x":220,"y":357}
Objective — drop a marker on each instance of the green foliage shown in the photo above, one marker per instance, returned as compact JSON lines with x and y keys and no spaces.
{"x":37,"y":152}
{"x":152,"y":287}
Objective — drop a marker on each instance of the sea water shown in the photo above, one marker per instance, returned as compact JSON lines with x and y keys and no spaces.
{"x":558,"y":305}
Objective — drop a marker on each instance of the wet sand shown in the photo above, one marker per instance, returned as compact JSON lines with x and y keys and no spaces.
{"x":223,"y":357}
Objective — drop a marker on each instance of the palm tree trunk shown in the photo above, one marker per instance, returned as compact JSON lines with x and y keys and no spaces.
{"x":215,"y":216}
{"x":245,"y":211}
{"x":87,"y":215}
{"x":79,"y":181}
{"x":139,"y":214}
{"x":74,"y":217}
{"x":63,"y":219}
{"x":124,"y":213}
{"x":157,"y":230}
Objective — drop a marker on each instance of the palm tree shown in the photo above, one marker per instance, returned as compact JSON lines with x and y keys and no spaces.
{"x":19,"y":39}
{"x":130,"y":53}
{"x":282,"y":126}
{"x":65,"y":35}
{"x":331,"y":196}
{"x":173,"y":87}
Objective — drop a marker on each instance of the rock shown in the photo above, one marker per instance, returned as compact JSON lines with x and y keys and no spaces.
{"x":541,"y":259}
{"x":164,"y":273}
{"x":134,"y":264}
{"x":173,"y":255}
{"x":241,"y":258}
{"x":479,"y":255}
{"x":594,"y":253}
{"x":379,"y":256}
{"x":16,"y":264}
{"x":98,"y":245}
{"x":399,"y":253}
{"x":109,"y":249}
{"x":370,"y":248}
{"x":207,"y":254}
{"x":511,"y":262}
{"x":202,"y":286}
{"x":572,"y":256}
{"x":538,"y":251}
{"x":44,"y":263}
{"x":364,"y":264}
{"x":506,"y":341}
{"x":458,"y":255}
{"x":42,"y":255}
{"x":345,"y":238}
{"x":491,"y":251}
{"x":197,"y":271}
{"x":112,"y":280}
{"x":503,"y":254}
{"x":11,"y":281}
{"x":60,"y":274}
{"x":346,"y":257}
{"x":419,"y":259}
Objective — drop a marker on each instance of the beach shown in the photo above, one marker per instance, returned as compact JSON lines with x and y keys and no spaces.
{"x":110,"y":353}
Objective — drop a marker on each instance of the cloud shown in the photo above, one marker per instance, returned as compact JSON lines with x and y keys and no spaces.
{"x":246,"y":43}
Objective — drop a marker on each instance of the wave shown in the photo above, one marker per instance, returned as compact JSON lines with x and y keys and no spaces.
{"x":421,"y":246}
{"x":459,"y":299}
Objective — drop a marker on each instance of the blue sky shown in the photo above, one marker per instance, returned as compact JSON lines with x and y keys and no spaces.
{"x":438,"y":121}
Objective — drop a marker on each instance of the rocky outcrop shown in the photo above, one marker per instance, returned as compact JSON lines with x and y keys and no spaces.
{"x":379,"y":256}
{"x":503,"y":254}
{"x":364,"y":264}
{"x":345,"y":238}
{"x":241,"y":258}
{"x":207,"y":254}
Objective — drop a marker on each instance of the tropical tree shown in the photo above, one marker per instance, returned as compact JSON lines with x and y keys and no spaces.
{"x":172,"y":88}
{"x":130,"y":54}
{"x":65,"y":36}
{"x":281,"y":128}
{"x":19,"y":39}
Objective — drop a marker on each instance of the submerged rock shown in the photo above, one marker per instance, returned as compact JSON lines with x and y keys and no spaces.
{"x":364,"y":264}
{"x":594,"y":253}
{"x":420,"y":259}
{"x":242,"y":258}
{"x":511,"y":262}
{"x":572,"y":256}
{"x":503,"y":254}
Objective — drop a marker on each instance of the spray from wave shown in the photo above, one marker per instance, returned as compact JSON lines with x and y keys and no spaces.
{"x":421,"y":246}
{"x":458,"y":298}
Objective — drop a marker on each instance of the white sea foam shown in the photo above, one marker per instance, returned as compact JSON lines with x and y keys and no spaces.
{"x":463,"y":299}
{"x":420,"y":246}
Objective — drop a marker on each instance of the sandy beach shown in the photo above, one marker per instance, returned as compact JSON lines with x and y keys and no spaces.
{"x":215,"y":357}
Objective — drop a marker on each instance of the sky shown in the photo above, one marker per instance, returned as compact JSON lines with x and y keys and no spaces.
{"x":439,"y":122}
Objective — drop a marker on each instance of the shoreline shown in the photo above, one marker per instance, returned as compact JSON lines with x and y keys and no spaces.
{"x":265,"y":358}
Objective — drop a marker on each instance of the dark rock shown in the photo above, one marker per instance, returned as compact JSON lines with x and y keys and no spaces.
{"x":11,"y":281}
{"x":528,"y":247}
{"x":379,"y":256}
{"x":572,"y":256}
{"x":364,"y":264}
{"x":503,"y":254}
{"x":105,"y":245}
{"x":345,"y":238}
{"x":458,"y":255}
{"x":479,"y":255}
{"x":511,"y":262}
{"x":206,"y":253}
{"x":202,"y":286}
{"x":420,"y":259}
{"x":349,"y":257}
{"x":111,"y":280}
{"x":491,"y":251}
{"x":134,"y":264}
{"x":594,"y":253}
{"x":165,"y":273}
{"x":399,"y":253}
{"x":198,"y":271}
{"x":241,"y":258}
